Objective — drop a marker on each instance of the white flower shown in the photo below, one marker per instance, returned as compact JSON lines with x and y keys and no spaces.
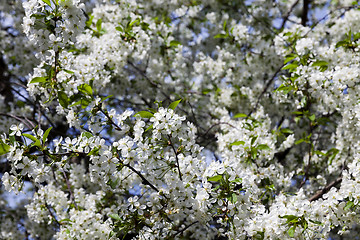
{"x":16,"y":129}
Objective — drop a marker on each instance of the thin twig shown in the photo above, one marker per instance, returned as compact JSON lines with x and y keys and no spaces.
{"x":286,"y":17}
{"x":176,"y":156}
{"x":182,"y":230}
{"x":144,"y":180}
{"x":266,"y":88}
{"x":72,"y":198}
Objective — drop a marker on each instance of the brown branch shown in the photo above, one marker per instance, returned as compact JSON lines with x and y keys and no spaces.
{"x":321,"y":192}
{"x":144,"y":180}
{"x":265,"y":89}
{"x":176,"y":156}
{"x":72,"y":198}
{"x":216,"y":124}
{"x":304,"y":15}
{"x":24,"y":120}
{"x":182,"y":230}
{"x":286,"y":17}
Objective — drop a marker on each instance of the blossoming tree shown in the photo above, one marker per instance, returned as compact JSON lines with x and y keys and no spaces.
{"x":186,"y":119}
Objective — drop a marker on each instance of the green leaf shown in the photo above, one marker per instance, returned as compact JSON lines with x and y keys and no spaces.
{"x":320,"y":63}
{"x":65,"y":220}
{"x":291,"y":66}
{"x":206,"y":91}
{"x":299,"y":141}
{"x":173,"y":105}
{"x":216,"y":178}
{"x":332,"y":154}
{"x":174,"y":43}
{"x":68,"y":71}
{"x":289,"y":218}
{"x":63,"y":99}
{"x":237,"y":143}
{"x":47,"y":2}
{"x":342,"y":43}
{"x":38,"y":16}
{"x":349,"y":205}
{"x":46,"y":134}
{"x":238,"y":180}
{"x":12,"y":139}
{"x":312,"y":117}
{"x":253,"y":153}
{"x":87,"y":134}
{"x":98,"y":24}
{"x":136,"y":21}
{"x":119,"y":28}
{"x":38,"y":80}
{"x":145,"y":114}
{"x":115,"y":216}
{"x":113,"y":184}
{"x":320,"y":153}
{"x":240,"y":115}
{"x":31,"y":137}
{"x":253,"y":139}
{"x":36,"y":142}
{"x":150,"y":127}
{"x":286,"y":130}
{"x":263,"y":147}
{"x":232,"y":198}
{"x":86,"y":89}
{"x":220,"y":35}
{"x":284,"y":88}
{"x":291,"y":231}
{"x":289,"y":58}
{"x":4,"y":148}
{"x":315,"y":222}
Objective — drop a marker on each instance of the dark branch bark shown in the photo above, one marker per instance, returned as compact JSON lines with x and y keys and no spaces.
{"x":327,"y":188}
{"x":304,"y":15}
{"x":286,"y":17}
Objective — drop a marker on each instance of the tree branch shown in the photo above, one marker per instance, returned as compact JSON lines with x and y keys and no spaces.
{"x":144,"y":180}
{"x":320,"y":193}
{"x":304,"y":15}
{"x":286,"y":17}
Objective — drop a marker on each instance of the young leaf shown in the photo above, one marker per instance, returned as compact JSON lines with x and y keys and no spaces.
{"x":173,"y":105}
{"x":38,"y":80}
{"x":290,"y":66}
{"x":115,"y":216}
{"x":31,"y":137}
{"x":312,"y":117}
{"x":174,"y":43}
{"x":47,"y":2}
{"x":98,"y":24}
{"x":145,"y":114}
{"x":216,"y":178}
{"x":87,"y":134}
{"x":349,"y":205}
{"x":263,"y":147}
{"x":289,"y":58}
{"x":36,"y":142}
{"x":291,"y":231}
{"x":86,"y":89}
{"x":237,"y":143}
{"x":240,"y":115}
{"x":63,"y":99}
{"x":150,"y":127}
{"x":4,"y":148}
{"x":46,"y":134}
{"x":286,"y":130}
